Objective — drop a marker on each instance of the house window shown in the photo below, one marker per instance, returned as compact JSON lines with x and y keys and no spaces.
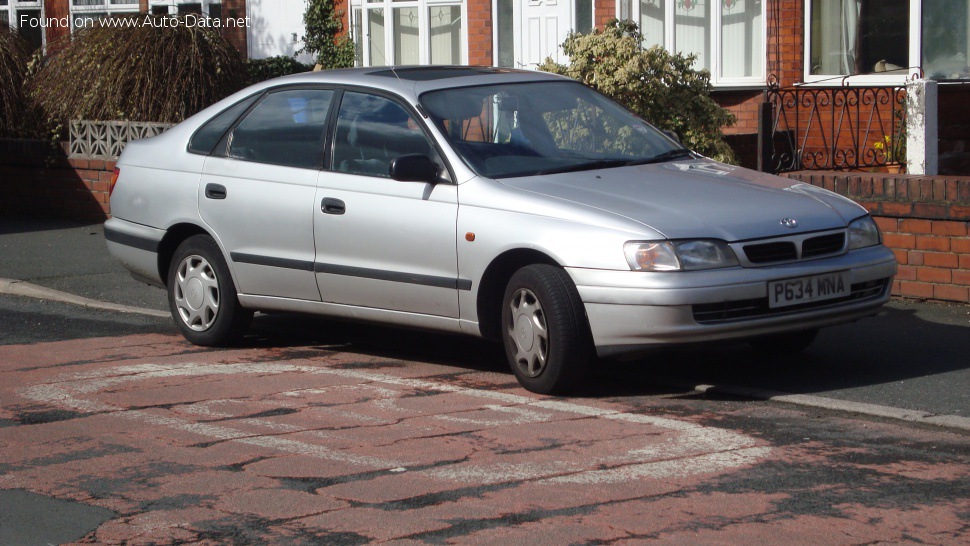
{"x":24,"y":16}
{"x":404,"y":32}
{"x":873,"y":41}
{"x":210,"y":8}
{"x":945,"y":52}
{"x":85,"y":12}
{"x":727,"y":36}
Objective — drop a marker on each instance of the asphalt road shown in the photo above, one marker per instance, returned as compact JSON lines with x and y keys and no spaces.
{"x":914,"y":356}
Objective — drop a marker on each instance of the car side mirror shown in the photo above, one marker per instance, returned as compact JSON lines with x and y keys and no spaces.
{"x":414,"y":168}
{"x":672,"y":136}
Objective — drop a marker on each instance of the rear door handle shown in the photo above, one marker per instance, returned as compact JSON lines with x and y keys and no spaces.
{"x":333,"y":206}
{"x":215,"y":191}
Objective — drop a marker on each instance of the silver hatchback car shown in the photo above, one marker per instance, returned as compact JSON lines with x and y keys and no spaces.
{"x":512,"y":205}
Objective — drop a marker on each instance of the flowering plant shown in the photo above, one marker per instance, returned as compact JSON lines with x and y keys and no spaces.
{"x":892,"y":149}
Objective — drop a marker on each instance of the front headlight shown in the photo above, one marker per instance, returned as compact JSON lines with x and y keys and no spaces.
{"x":863,"y":232}
{"x":678,"y":255}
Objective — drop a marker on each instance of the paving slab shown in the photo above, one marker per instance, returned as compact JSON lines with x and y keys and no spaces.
{"x":283,"y":444}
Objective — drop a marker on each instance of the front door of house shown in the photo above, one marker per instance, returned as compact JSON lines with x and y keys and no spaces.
{"x":540,"y":28}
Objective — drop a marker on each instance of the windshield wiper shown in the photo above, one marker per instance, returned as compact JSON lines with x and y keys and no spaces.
{"x":666,"y":156}
{"x":588,"y":166}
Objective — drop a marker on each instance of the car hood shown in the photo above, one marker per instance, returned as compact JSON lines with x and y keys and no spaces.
{"x":699,"y":199}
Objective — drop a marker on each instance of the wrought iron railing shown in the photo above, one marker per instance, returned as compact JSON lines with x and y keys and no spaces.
{"x":107,"y":139}
{"x":832,"y":128}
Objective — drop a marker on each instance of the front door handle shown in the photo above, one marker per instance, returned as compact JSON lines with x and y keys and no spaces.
{"x":215,"y":191}
{"x":333,"y":206}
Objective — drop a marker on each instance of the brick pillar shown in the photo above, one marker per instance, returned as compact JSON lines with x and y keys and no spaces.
{"x":479,"y":32}
{"x":237,"y":35}
{"x":56,"y":9}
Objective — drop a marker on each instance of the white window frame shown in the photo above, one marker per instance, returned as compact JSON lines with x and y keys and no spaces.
{"x":363,"y":7}
{"x":630,"y":10}
{"x":915,"y":54}
{"x":173,"y":5}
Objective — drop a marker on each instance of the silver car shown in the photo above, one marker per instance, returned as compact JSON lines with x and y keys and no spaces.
{"x":517,"y":206}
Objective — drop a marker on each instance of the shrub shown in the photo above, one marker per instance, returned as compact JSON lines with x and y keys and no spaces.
{"x":661,"y":87}
{"x":13,"y":70}
{"x":323,"y":36}
{"x":274,"y":67}
{"x":138,"y":72}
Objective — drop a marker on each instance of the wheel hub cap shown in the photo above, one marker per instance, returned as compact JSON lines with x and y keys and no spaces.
{"x":196,"y":291}
{"x":524,"y":332}
{"x":527,"y":333}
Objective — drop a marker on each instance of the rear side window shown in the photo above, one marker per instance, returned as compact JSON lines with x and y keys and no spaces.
{"x":206,"y":137}
{"x":286,"y":128}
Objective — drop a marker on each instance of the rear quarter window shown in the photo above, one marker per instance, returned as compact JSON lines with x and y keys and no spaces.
{"x":208,"y":136}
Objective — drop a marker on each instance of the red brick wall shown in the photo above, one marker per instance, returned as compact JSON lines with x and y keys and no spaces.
{"x":480,"y":32}
{"x":924,"y":220}
{"x":237,"y":36}
{"x":36,"y":179}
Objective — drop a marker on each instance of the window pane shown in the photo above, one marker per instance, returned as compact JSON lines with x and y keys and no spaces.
{"x":692,"y":30}
{"x":358,"y":31}
{"x":859,"y":36}
{"x":206,"y":138}
{"x":742,"y":51}
{"x":653,"y":18}
{"x":375,"y":37}
{"x":406,"y":42}
{"x":506,"y":51}
{"x":286,"y":128}
{"x":445,"y":34}
{"x":584,"y":16}
{"x":945,"y":47}
{"x":372,"y":132}
{"x":33,"y":34}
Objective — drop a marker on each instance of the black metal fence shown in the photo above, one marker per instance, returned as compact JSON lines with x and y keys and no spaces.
{"x":839,"y":128}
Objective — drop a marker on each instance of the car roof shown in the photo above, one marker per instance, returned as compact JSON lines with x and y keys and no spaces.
{"x":412,"y":81}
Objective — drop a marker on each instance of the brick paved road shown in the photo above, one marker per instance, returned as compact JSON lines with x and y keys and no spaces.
{"x":323,"y":444}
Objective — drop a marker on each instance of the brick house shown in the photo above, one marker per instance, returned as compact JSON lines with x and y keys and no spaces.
{"x":743,"y":43}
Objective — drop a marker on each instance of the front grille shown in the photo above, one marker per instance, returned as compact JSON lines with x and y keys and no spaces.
{"x":764,"y":253}
{"x":825,"y":244}
{"x":716,"y":313}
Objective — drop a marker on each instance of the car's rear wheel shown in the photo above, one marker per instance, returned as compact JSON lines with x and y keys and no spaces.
{"x":202,"y":296}
{"x":545,"y":330}
{"x":786,"y":343}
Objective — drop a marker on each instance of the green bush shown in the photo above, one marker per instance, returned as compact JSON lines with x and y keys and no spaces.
{"x":13,"y":71}
{"x":661,"y":87}
{"x":137,"y":73}
{"x":274,"y":67}
{"x":323,"y":39}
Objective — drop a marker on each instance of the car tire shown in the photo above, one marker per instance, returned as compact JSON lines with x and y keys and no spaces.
{"x":545,"y":330}
{"x":786,"y":343}
{"x":202,"y":296}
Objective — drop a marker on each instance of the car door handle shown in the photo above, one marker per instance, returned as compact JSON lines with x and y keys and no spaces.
{"x":215,"y":191}
{"x":333,"y":206}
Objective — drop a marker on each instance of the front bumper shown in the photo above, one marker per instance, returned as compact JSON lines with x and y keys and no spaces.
{"x":630,"y":311}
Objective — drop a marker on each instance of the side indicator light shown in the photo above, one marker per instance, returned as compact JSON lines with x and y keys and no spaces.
{"x":470,"y":237}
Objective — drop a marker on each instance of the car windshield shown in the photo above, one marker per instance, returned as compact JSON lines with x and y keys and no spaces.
{"x":528,"y":129}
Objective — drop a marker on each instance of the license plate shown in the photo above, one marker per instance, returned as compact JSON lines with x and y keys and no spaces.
{"x":808,"y":289}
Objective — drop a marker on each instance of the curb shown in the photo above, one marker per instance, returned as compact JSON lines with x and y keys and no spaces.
{"x":874,"y":410}
{"x":26,"y":289}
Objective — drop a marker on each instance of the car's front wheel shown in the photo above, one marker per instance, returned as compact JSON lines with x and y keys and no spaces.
{"x":545,"y":330}
{"x":202,"y":296}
